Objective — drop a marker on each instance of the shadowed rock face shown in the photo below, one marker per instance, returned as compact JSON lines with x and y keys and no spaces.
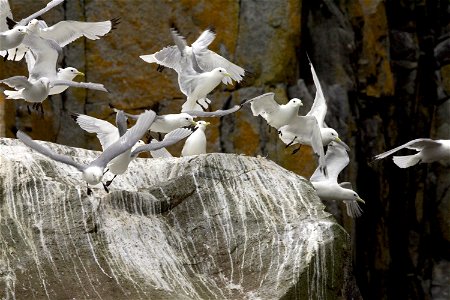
{"x":215,"y":226}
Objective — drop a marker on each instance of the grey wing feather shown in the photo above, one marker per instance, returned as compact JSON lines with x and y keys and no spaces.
{"x":121,"y":122}
{"x":417,"y":144}
{"x":49,"y":6}
{"x":17,"y":82}
{"x":169,"y":57}
{"x":264,"y":104}
{"x":47,"y":152}
{"x":171,"y":138}
{"x":336,"y":160}
{"x":46,"y":53}
{"x":86,"y":85}
{"x":179,"y":40}
{"x":106,"y":132}
{"x":217,"y":113}
{"x":319,"y":107}
{"x":204,"y":40}
{"x":346,"y":185}
{"x":127,"y":141}
{"x":209,"y":60}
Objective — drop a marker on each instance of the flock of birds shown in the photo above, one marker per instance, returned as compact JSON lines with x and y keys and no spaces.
{"x":200,"y":71}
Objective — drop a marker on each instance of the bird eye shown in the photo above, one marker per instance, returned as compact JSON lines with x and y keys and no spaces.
{"x":220,"y":71}
{"x":355,"y":195}
{"x":187,"y":119}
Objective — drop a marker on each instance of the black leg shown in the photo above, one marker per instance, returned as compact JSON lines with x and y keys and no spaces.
{"x":159,"y":136}
{"x":108,"y":183}
{"x":291,"y":142}
{"x":204,"y":108}
{"x":296,"y":150}
{"x":88,"y":191}
{"x":105,"y":187}
{"x":28,"y":108}
{"x":105,"y":171}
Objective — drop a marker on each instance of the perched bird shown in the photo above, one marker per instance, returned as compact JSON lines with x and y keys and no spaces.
{"x":93,"y":172}
{"x":205,"y":59}
{"x":328,"y":188}
{"x":428,"y":151}
{"x":7,"y":23}
{"x":196,"y":143}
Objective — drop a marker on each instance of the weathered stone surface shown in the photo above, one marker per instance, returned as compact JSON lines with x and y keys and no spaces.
{"x":216,"y":226}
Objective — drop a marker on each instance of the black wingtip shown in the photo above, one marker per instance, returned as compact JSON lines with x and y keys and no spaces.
{"x":10,"y":22}
{"x":114,"y":23}
{"x":212,"y":29}
{"x":74,"y":116}
{"x":111,"y":106}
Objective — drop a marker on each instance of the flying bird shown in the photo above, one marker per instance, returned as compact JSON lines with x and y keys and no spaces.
{"x":93,"y":172}
{"x":428,"y":151}
{"x":328,"y":188}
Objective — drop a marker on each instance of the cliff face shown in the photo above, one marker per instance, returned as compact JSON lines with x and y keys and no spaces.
{"x":216,"y":226}
{"x":384,"y":68}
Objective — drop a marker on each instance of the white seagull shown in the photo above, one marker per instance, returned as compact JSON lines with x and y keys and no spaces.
{"x":328,"y":188}
{"x":7,"y":23}
{"x":196,"y":143}
{"x":93,"y":172}
{"x":206,"y":59}
{"x":428,"y":151}
{"x":108,"y":134}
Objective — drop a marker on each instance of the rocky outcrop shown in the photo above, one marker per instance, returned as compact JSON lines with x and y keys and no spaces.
{"x":215,"y":226}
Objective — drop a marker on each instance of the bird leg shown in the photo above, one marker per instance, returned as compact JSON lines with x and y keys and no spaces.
{"x":160,"y":68}
{"x":105,"y":171}
{"x":279,"y":133}
{"x":88,"y":191}
{"x":296,"y":150}
{"x":204,"y":108}
{"x":105,"y":187}
{"x":159,"y":136}
{"x":28,"y":108}
{"x":291,"y":142}
{"x":108,"y":183}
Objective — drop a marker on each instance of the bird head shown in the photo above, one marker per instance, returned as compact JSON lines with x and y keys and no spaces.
{"x":295,"y":102}
{"x":222,"y":72}
{"x":187,"y":120}
{"x":22,"y":29}
{"x":93,"y":175}
{"x":201,"y":124}
{"x":68,"y":73}
{"x":33,"y":25}
{"x":330,"y":135}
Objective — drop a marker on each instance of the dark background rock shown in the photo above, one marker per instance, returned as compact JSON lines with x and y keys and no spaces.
{"x":385,"y":71}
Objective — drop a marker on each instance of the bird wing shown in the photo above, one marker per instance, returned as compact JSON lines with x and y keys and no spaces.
{"x":169,"y":139}
{"x":49,"y":6}
{"x":217,"y":113}
{"x":209,"y":60}
{"x":417,"y":144}
{"x":85,"y":85}
{"x":169,"y":57}
{"x":45,"y":53}
{"x":319,"y":107}
{"x":121,"y":122}
{"x":264,"y":104}
{"x":127,"y":141}
{"x":17,"y":82}
{"x":306,"y":130}
{"x":65,"y":32}
{"x":5,"y":11}
{"x":204,"y":40}
{"x":106,"y":132}
{"x":336,"y":160}
{"x":48,"y":152}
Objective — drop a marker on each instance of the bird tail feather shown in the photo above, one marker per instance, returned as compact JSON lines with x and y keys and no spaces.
{"x":406,"y":161}
{"x":353,"y":209}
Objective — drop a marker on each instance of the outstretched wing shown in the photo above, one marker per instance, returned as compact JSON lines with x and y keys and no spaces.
{"x":336,"y":160}
{"x":85,"y":85}
{"x":47,"y":152}
{"x":17,"y":82}
{"x":211,"y":114}
{"x":121,"y":122}
{"x":5,"y":12}
{"x":264,"y":103}
{"x":127,"y":141}
{"x":45,"y":54}
{"x":106,"y":132}
{"x":49,"y":6}
{"x":168,"y":57}
{"x":65,"y":32}
{"x":417,"y":144}
{"x":319,"y":107}
{"x":171,"y":138}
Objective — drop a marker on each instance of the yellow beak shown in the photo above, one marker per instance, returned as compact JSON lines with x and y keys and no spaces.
{"x":80,"y":73}
{"x":360,"y":200}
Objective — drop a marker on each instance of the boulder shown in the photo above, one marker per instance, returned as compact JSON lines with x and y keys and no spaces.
{"x":214,"y":226}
